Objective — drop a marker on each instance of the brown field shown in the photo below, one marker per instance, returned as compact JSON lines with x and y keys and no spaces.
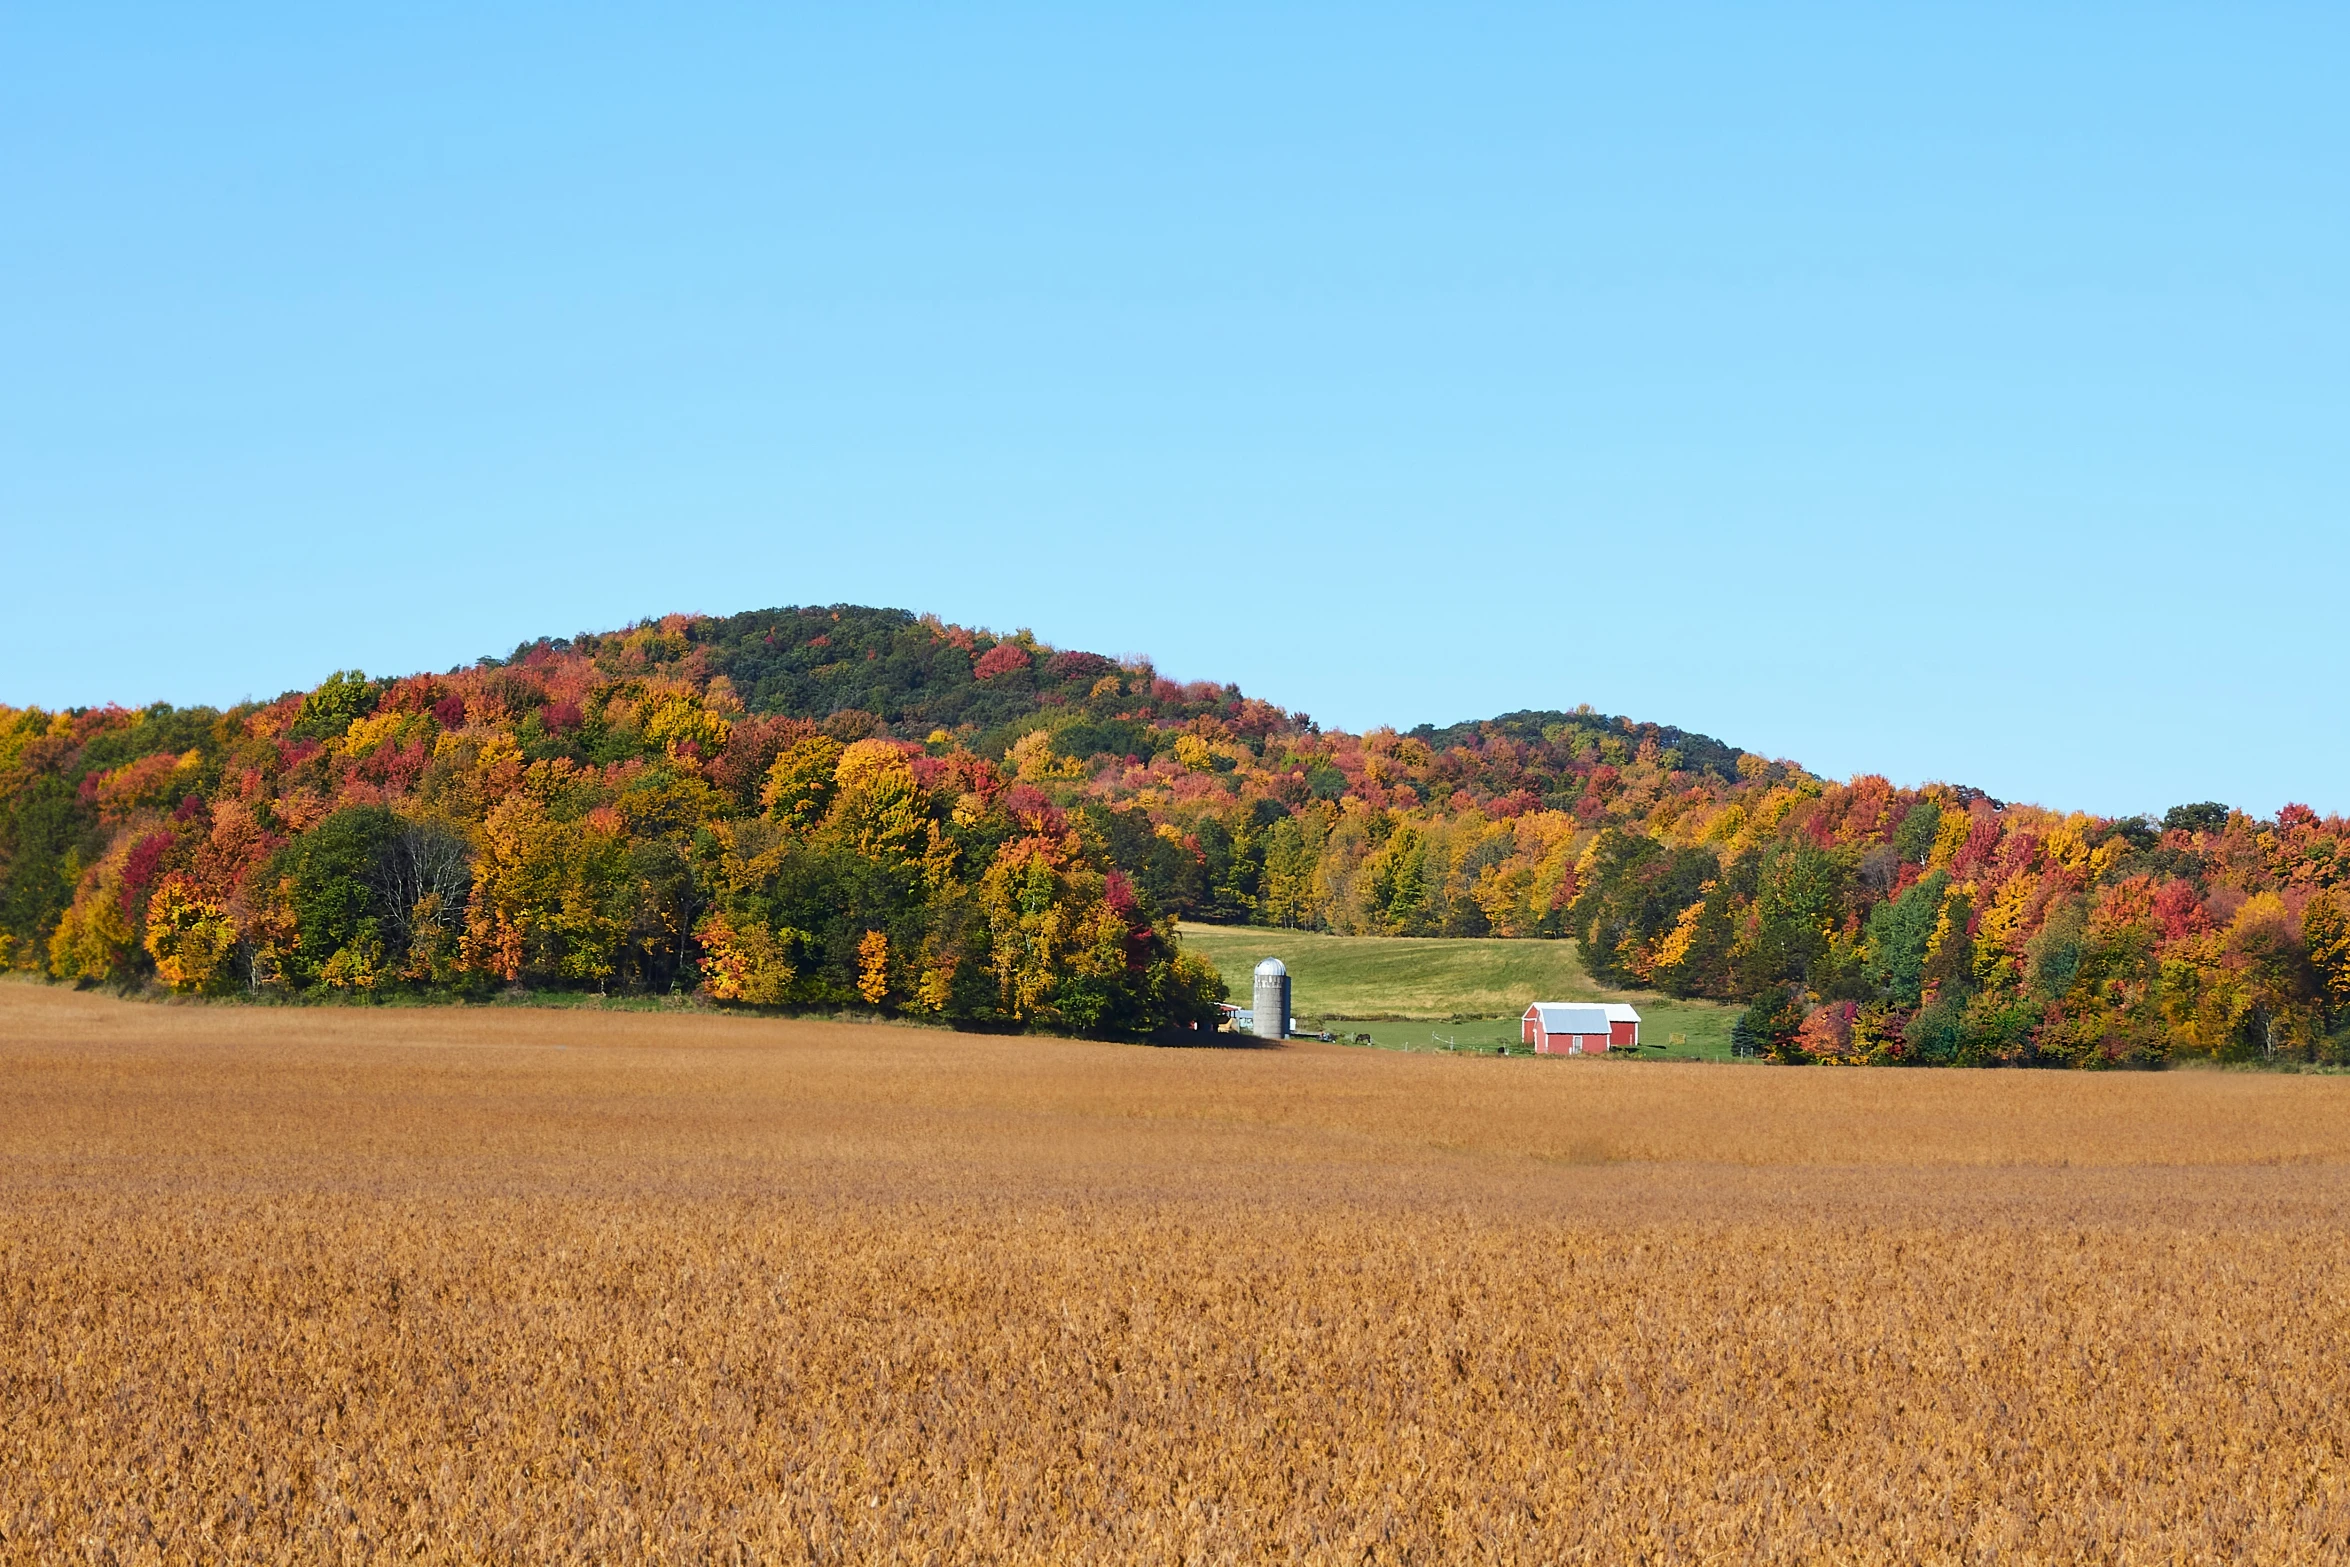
{"x":502,"y":1285}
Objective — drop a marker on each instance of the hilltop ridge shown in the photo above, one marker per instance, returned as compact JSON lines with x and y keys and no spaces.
{"x":913,"y":673}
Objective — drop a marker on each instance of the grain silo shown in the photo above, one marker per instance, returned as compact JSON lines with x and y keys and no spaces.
{"x":1272,"y":1000}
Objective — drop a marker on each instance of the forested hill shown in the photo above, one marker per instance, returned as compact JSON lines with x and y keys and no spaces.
{"x":819,"y":806}
{"x":913,"y":674}
{"x":1683,"y":751}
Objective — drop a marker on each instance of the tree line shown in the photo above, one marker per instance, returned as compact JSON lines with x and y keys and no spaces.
{"x":834,"y":805}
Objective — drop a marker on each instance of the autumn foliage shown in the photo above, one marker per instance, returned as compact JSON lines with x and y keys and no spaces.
{"x":829,"y":806}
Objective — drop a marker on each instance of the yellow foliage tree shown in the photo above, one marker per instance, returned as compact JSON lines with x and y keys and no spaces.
{"x":800,"y":782}
{"x":1194,"y":753}
{"x":2325,"y":929}
{"x":873,"y":966}
{"x":744,"y":961}
{"x":1293,"y":848}
{"x":359,"y":966}
{"x":1034,"y":760}
{"x":680,"y":724}
{"x":936,"y":986}
{"x":95,"y":940}
{"x":543,"y":895}
{"x":2203,"y":1000}
{"x":190,"y":935}
{"x":878,"y":804}
{"x":1041,"y":908}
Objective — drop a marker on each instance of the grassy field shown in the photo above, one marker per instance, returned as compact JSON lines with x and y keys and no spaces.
{"x":1704,"y":1033}
{"x":497,"y":1284}
{"x":1400,"y":977}
{"x":1411,"y":993}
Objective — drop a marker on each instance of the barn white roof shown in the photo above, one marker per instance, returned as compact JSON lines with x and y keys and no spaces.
{"x":1572,"y":1017}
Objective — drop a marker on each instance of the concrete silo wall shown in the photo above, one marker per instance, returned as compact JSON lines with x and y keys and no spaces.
{"x":1272,"y":1006}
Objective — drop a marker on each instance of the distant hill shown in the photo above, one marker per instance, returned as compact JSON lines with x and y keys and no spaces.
{"x":828,"y":805}
{"x":914,"y":674}
{"x":1685,"y":751}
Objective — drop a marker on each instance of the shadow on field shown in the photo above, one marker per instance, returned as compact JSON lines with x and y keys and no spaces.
{"x":1204,"y":1039}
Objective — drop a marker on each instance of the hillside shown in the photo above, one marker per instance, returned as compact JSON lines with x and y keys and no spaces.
{"x":843,"y":805}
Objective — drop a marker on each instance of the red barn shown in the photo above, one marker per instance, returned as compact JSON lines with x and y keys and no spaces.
{"x":1579,"y":1028}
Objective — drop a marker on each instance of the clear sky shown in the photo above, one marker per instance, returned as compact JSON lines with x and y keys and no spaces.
{"x":1954,"y":392}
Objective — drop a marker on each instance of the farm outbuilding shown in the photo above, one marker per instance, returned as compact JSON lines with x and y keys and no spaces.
{"x":1579,"y":1028}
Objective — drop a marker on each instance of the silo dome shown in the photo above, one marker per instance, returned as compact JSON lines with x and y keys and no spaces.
{"x":1271,"y":967}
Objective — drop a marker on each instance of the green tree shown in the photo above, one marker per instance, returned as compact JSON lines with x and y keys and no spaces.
{"x":41,"y":829}
{"x":327,"y":880}
{"x":1950,"y":951}
{"x":1913,"y":840}
{"x":1797,"y":910}
{"x":1898,"y":934}
{"x":1633,"y":893}
{"x":2052,"y":957}
{"x":2209,"y":816}
{"x":340,"y":700}
{"x":1769,"y":1025}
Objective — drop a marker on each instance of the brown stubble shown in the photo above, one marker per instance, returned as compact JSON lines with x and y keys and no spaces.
{"x":470,"y":1284}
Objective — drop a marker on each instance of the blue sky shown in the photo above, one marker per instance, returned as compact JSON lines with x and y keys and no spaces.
{"x":1946,"y":392}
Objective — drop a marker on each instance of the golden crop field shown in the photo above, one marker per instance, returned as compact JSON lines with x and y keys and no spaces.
{"x":506,"y":1285}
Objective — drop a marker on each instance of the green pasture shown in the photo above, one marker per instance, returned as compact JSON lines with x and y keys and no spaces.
{"x":1399,"y":977}
{"x":1418,"y":993}
{"x":1704,"y":1029}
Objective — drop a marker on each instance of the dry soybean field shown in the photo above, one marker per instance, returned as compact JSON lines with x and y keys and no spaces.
{"x":362,"y":1285}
